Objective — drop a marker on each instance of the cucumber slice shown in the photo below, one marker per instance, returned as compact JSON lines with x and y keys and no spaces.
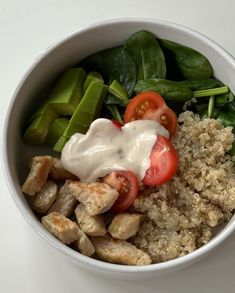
{"x":88,"y":110}
{"x":60,"y":144}
{"x":73,"y":128}
{"x":56,"y":130}
{"x":92,"y":76}
{"x":38,"y":129}
{"x":90,"y":106}
{"x":67,"y":92}
{"x":45,"y":110}
{"x":118,"y":91}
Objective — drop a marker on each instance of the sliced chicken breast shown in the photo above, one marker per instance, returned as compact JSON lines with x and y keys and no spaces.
{"x":44,"y":198}
{"x":97,"y":197}
{"x":91,"y":225}
{"x":65,"y":202}
{"x":40,"y":168}
{"x":83,"y":244}
{"x":119,"y":251}
{"x":57,"y":172}
{"x":124,"y":225}
{"x":61,"y":227}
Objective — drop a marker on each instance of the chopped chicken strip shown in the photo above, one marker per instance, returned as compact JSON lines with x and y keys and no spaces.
{"x":44,"y":198}
{"x":124,"y":225}
{"x":84,"y":245}
{"x":61,"y":227}
{"x":40,"y":168}
{"x":57,"y":172}
{"x":91,"y":225}
{"x":119,"y":251}
{"x":65,"y":202}
{"x":97,"y":197}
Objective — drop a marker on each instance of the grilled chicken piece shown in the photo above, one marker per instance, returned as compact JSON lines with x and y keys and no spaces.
{"x":91,"y":225}
{"x":61,"y":227}
{"x":65,"y":202}
{"x":124,"y":225}
{"x":40,"y":168}
{"x":83,"y":244}
{"x":44,"y":198}
{"x":57,"y":172}
{"x":97,"y":197}
{"x":119,"y":251}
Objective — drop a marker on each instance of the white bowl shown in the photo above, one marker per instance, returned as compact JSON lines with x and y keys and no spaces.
{"x":39,"y":77}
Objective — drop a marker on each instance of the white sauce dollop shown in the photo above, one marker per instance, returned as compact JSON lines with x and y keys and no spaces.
{"x":106,"y":148}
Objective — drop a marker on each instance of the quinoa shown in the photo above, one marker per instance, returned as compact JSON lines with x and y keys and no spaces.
{"x":181,"y":215}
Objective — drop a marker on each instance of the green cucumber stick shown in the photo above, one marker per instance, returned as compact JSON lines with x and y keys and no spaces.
{"x":118,"y":91}
{"x":38,"y":129}
{"x":60,"y":144}
{"x":87,"y":110}
{"x":67,"y":92}
{"x":92,"y":76}
{"x":57,"y":129}
{"x":211,"y":92}
{"x":73,"y":128}
{"x":90,"y":106}
{"x":44,"y":110}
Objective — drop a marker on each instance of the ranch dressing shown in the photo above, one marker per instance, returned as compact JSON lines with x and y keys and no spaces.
{"x":106,"y":148}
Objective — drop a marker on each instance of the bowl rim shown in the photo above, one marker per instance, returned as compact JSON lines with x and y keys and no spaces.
{"x":36,"y":225}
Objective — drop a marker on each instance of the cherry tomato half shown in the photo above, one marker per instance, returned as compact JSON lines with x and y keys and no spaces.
{"x":163,"y":163}
{"x":150,"y":105}
{"x":126,"y":183}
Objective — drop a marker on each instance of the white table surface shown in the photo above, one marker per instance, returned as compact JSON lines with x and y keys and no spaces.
{"x":27,"y":27}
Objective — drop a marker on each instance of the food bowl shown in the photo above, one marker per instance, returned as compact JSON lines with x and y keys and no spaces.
{"x":41,"y":75}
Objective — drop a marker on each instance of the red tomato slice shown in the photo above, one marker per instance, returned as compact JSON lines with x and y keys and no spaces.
{"x":126,"y":183}
{"x":163,"y":163}
{"x":150,"y":105}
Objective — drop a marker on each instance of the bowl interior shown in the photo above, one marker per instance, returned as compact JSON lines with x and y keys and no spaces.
{"x":35,"y":84}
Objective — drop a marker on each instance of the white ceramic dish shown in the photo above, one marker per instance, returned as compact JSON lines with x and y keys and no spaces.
{"x":42,"y":73}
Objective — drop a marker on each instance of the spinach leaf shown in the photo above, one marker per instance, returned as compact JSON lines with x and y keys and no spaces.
{"x":94,"y":62}
{"x":189,"y":63}
{"x":231,"y":107}
{"x":112,"y":100}
{"x":170,"y":90}
{"x":196,"y":85}
{"x":147,"y":54}
{"x":232,"y":150}
{"x":224,"y":99}
{"x":115,"y":107}
{"x":114,"y":63}
{"x":226,"y":118}
{"x":119,"y":65}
